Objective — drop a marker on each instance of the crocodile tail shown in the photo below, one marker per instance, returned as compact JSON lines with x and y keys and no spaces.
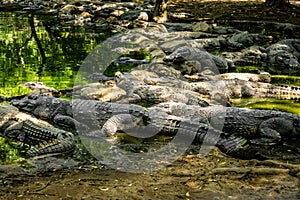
{"x":53,"y":147}
{"x":285,"y":92}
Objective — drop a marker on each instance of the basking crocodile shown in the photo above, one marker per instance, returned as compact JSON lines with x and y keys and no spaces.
{"x":242,"y":128}
{"x":186,"y":131}
{"x":42,"y":137}
{"x":242,"y":88}
{"x":137,"y":91}
{"x":74,"y":114}
{"x":41,"y":88}
{"x":261,"y":77}
{"x":257,"y":126}
{"x":197,"y":61}
{"x":96,"y":119}
{"x":238,"y":120}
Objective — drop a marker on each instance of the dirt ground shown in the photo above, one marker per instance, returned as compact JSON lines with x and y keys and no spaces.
{"x":216,"y":176}
{"x":220,"y":10}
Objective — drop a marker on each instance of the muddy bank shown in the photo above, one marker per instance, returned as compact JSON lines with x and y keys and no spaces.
{"x":215,"y":176}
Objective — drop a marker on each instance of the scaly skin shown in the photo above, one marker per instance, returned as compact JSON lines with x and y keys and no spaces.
{"x":185,"y":131}
{"x":137,"y":91}
{"x":77,"y":114}
{"x":257,"y":126}
{"x":41,"y":136}
{"x":107,"y":118}
{"x":201,"y":60}
{"x":241,"y":127}
{"x":237,"y":88}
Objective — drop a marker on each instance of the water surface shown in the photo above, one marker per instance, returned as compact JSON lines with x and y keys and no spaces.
{"x":41,"y":48}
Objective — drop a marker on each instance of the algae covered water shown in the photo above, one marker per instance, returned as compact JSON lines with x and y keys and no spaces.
{"x":41,"y":48}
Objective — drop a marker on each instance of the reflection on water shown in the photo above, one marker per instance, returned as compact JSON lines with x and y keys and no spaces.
{"x":41,"y":48}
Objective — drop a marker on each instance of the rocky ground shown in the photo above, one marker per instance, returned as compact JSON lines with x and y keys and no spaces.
{"x":215,"y":176}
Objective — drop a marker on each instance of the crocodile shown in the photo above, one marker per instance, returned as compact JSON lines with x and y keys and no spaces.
{"x":186,"y":132}
{"x":257,"y":126}
{"x":137,"y":91}
{"x":261,"y":77}
{"x":42,"y":137}
{"x":41,"y":88}
{"x":103,"y":111}
{"x":74,"y":114}
{"x":142,"y":123}
{"x":135,"y":41}
{"x":194,"y":60}
{"x":237,"y":88}
{"x":243,"y":128}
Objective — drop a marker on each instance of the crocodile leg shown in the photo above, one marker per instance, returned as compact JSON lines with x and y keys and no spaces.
{"x":231,"y":144}
{"x":271,"y":129}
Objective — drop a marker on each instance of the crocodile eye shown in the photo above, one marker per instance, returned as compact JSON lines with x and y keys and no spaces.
{"x":118,"y":76}
{"x":55,"y":101}
{"x":30,"y":107}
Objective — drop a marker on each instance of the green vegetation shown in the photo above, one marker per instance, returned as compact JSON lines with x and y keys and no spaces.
{"x":284,"y":79}
{"x":249,"y":69}
{"x":12,"y":152}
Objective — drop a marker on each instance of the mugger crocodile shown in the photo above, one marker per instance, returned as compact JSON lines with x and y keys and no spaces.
{"x":86,"y":115}
{"x":42,"y":137}
{"x":262,"y":127}
{"x":186,"y":132}
{"x":237,"y":88}
{"x":107,"y":118}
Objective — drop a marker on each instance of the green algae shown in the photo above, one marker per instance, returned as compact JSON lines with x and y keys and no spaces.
{"x":285,"y":79}
{"x":290,"y":106}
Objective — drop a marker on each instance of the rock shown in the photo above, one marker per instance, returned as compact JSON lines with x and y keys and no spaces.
{"x":201,"y":27}
{"x":293,"y":44}
{"x":141,"y":75}
{"x":143,"y":16}
{"x":170,"y":46}
{"x":156,"y":28}
{"x":161,"y":69}
{"x":211,"y":44}
{"x":103,"y":92}
{"x":41,"y":88}
{"x":224,"y":30}
{"x":99,"y":77}
{"x":117,"y":13}
{"x":133,"y":15}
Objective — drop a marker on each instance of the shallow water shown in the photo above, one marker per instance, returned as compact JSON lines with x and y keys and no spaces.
{"x":41,"y":48}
